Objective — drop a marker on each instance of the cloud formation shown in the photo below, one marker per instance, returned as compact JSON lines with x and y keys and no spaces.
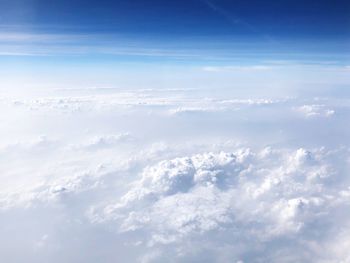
{"x":314,"y":110}
{"x":171,"y":176}
{"x":254,"y":199}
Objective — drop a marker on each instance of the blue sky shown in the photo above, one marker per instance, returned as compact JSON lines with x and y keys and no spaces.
{"x":157,"y":18}
{"x":220,"y":25}
{"x":59,"y":37}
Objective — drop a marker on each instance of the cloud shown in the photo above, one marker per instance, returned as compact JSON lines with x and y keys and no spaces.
{"x":104,"y":141}
{"x":315,"y":110}
{"x":243,"y":205}
{"x":254,"y":198}
{"x":16,"y":43}
{"x":236,"y":68}
{"x":235,"y":205}
{"x":234,"y":179}
{"x":203,"y":109}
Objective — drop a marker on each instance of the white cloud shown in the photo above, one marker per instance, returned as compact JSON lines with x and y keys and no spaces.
{"x":244,"y":196}
{"x":313,"y":110}
{"x":236,"y":68}
{"x":243,"y":181}
{"x":104,"y":141}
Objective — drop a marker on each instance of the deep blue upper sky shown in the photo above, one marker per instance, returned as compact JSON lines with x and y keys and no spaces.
{"x":275,"y":19}
{"x":183,"y":30}
{"x":104,"y":36}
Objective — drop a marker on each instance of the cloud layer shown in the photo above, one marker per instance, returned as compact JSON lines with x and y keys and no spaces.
{"x":239,"y":204}
{"x":171,"y":176}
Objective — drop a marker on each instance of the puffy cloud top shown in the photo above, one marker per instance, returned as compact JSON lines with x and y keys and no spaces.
{"x":247,"y":197}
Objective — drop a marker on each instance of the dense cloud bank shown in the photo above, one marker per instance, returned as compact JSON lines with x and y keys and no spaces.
{"x":241,"y":205}
{"x":244,"y":205}
{"x":169,"y":177}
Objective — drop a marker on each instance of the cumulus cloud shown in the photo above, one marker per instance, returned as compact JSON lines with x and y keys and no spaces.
{"x":254,"y":198}
{"x":244,"y":205}
{"x":241,"y":180}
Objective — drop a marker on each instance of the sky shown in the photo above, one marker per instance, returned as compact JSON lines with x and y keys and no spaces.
{"x":65,"y":38}
{"x":174,"y":131}
{"x":302,"y":19}
{"x":176,"y":30}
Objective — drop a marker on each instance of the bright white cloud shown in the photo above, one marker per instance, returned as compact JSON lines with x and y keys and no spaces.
{"x":314,"y":110}
{"x":245,"y":180}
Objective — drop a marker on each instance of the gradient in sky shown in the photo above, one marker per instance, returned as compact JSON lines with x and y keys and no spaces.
{"x":75,"y":40}
{"x":177,"y":29}
{"x":174,"y":131}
